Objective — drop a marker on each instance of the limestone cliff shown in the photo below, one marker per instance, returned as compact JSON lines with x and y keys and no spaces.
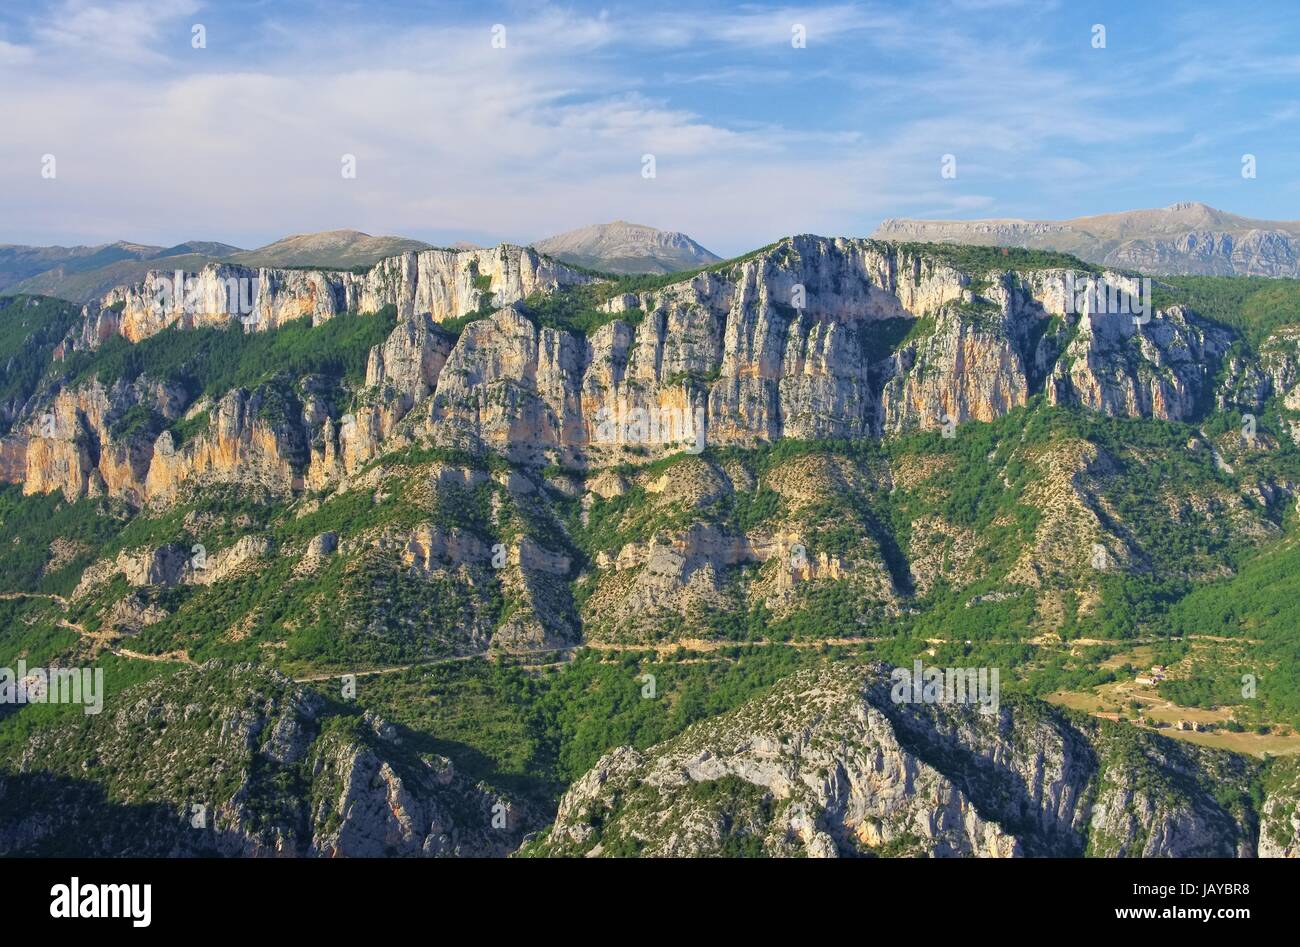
{"x":811,"y":338}
{"x":828,"y":764}
{"x":443,"y":283}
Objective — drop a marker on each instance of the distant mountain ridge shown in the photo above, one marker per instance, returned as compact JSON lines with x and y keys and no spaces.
{"x":331,"y":248}
{"x":20,"y":263}
{"x":622,"y":247}
{"x":85,"y":274}
{"x":1187,"y":238}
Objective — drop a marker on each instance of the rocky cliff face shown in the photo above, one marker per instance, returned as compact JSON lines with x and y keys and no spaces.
{"x":676,"y":556}
{"x":1255,"y":252}
{"x":1164,"y":369}
{"x":423,"y":562}
{"x":828,"y":763}
{"x":229,"y":760}
{"x":813,"y":338}
{"x":444,"y":284}
{"x":1275,"y":374}
{"x":1279,"y":829}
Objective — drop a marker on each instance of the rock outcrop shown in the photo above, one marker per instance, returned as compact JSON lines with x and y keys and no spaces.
{"x":1279,"y":827}
{"x":233,"y":761}
{"x":829,"y":763}
{"x":812,"y":338}
{"x":1162,"y":370}
{"x":442,"y":283}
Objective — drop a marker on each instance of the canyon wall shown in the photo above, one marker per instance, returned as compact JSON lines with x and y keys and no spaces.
{"x":811,"y":338}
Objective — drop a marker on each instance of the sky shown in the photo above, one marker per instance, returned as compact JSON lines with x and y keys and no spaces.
{"x":511,"y":122}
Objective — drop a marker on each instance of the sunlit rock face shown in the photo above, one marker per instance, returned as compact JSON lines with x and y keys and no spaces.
{"x":810,"y":338}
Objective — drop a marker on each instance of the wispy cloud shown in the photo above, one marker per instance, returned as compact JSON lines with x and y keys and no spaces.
{"x":753,"y":137}
{"x":124,"y":30}
{"x":14,"y":55}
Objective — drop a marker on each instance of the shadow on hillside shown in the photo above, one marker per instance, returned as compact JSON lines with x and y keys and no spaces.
{"x":478,"y":766}
{"x":48,"y":816}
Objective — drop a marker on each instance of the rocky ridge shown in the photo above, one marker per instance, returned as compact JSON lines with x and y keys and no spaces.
{"x":813,"y":338}
{"x":1185,"y":238}
{"x":829,"y":764}
{"x":234,"y":761}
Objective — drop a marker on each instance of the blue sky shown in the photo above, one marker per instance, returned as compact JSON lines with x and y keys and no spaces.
{"x":242,"y":141}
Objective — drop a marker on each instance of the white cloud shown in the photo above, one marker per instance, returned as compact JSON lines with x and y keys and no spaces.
{"x":456,"y":138}
{"x":124,"y":30}
{"x":14,"y":55}
{"x":519,"y":142}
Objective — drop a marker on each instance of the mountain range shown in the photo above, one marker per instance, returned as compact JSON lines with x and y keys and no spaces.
{"x":20,"y":263}
{"x":623,"y":565}
{"x":1184,"y":238}
{"x":82,"y":274}
{"x":1187,"y":238}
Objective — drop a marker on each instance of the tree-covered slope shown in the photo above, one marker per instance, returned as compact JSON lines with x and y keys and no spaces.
{"x":437,"y":506}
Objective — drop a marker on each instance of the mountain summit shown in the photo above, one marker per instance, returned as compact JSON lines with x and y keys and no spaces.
{"x":1184,"y":238}
{"x":331,"y":248}
{"x":621,"y":247}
